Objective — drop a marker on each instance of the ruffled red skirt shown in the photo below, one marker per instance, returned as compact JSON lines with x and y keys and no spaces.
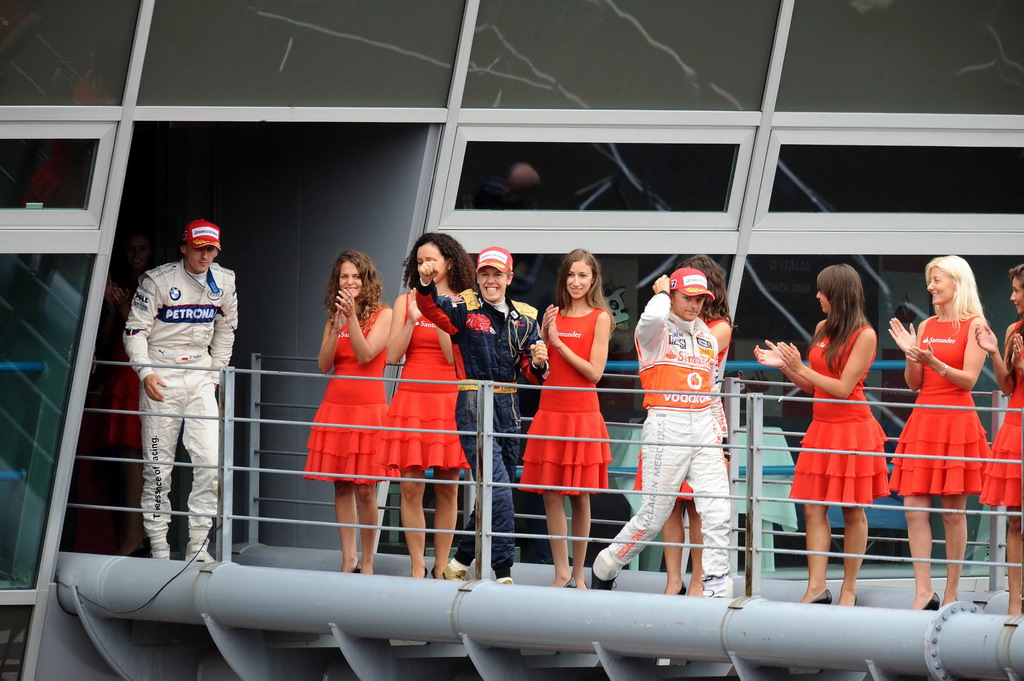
{"x":345,"y":451}
{"x":404,"y":451}
{"x":935,"y":433}
{"x":123,"y":430}
{"x":843,"y":478}
{"x":564,"y":463}
{"x":685,"y":491}
{"x":1001,"y":481}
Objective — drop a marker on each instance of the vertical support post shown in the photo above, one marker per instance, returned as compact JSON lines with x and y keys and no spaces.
{"x":227,"y":462}
{"x":484,"y":478}
{"x":252,"y":529}
{"x":997,"y":523}
{"x":755,"y":424}
{"x":731,"y":407}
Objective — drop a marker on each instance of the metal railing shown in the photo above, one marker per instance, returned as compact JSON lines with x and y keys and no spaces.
{"x":745,"y":413}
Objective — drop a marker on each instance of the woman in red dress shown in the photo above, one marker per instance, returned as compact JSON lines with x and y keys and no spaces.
{"x":123,"y":432}
{"x":353,"y":345}
{"x":842,"y":349}
{"x":1001,"y":482}
{"x":576,"y":331}
{"x":943,"y":362}
{"x":715,"y":314}
{"x":429,"y":356}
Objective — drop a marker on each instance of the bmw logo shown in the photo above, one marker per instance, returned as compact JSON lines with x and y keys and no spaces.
{"x":174,"y":293}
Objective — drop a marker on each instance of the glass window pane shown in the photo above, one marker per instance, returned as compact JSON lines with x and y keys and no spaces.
{"x":927,"y":56}
{"x":311,"y":53}
{"x":41,"y":173}
{"x":631,"y":54}
{"x":65,"y":51}
{"x":583,"y":176}
{"x":41,"y":302}
{"x":860,"y":179}
{"x":14,"y":621}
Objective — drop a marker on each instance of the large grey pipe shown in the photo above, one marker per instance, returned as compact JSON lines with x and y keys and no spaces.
{"x":953,"y":641}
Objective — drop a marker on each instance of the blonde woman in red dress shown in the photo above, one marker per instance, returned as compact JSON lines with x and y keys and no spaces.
{"x":943,"y":362}
{"x":1001,"y":482}
{"x":842,"y":349}
{"x":429,"y":355}
{"x":353,"y":345}
{"x":576,"y":330}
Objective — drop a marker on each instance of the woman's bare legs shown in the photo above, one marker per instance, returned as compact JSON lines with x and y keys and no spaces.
{"x":554,"y":510}
{"x":672,"y":532}
{"x":855,"y":540}
{"x":446,"y":514}
{"x":345,"y":512}
{"x":413,"y":521}
{"x":818,"y":538}
{"x":1013,"y":556}
{"x":919,"y":531}
{"x":132,"y":533}
{"x":580,"y":505}
{"x":366,"y":504}
{"x":955,"y":525}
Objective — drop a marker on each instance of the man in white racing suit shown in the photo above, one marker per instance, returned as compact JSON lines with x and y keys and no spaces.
{"x":184,"y":314}
{"x":677,"y":353}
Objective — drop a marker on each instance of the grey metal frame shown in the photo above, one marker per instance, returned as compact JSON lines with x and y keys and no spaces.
{"x":756,"y":232}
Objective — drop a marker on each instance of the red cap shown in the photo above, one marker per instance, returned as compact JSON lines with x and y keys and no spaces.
{"x":691,"y":282}
{"x":201,"y":233}
{"x":495,"y":257}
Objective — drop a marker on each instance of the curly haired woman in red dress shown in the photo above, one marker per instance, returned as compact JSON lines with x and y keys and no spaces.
{"x":842,"y":349}
{"x":353,"y":345}
{"x":576,"y":332}
{"x":1001,"y":482}
{"x":943,"y":362}
{"x":429,"y":355}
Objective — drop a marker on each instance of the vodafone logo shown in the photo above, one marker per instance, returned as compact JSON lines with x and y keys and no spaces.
{"x":695,"y":381}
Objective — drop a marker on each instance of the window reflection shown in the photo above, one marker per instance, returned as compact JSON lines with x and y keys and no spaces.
{"x":910,"y":56}
{"x":309,"y":53}
{"x":65,"y":51}
{"x":865,"y":179}
{"x":607,"y":176}
{"x":630,"y":54}
{"x":42,"y":174}
{"x":41,"y":302}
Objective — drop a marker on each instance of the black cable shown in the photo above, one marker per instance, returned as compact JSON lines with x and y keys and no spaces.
{"x":151,"y":598}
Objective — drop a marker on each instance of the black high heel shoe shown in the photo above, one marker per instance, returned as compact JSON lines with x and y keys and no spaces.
{"x":824,"y":599}
{"x":933,"y":603}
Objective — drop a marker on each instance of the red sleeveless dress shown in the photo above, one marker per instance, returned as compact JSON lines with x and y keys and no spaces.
{"x":423,"y":406}
{"x":845,"y":478}
{"x":357,"y":403}
{"x":123,"y":430}
{"x":568,"y":414}
{"x":941,"y":433}
{"x":685,"y":491}
{"x":1000,"y":484}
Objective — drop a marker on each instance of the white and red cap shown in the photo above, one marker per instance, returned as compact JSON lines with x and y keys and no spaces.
{"x":691,"y":282}
{"x":200,"y":233}
{"x":496,"y":257}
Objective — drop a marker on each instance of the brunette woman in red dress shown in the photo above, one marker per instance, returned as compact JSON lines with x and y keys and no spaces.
{"x":842,"y":349}
{"x":429,"y":356}
{"x":576,"y":331}
{"x":943,"y":362}
{"x":1001,"y":482}
{"x":123,"y":432}
{"x":353,"y":345}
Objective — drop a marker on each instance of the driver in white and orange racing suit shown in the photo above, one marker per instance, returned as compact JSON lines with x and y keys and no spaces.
{"x":677,"y":352}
